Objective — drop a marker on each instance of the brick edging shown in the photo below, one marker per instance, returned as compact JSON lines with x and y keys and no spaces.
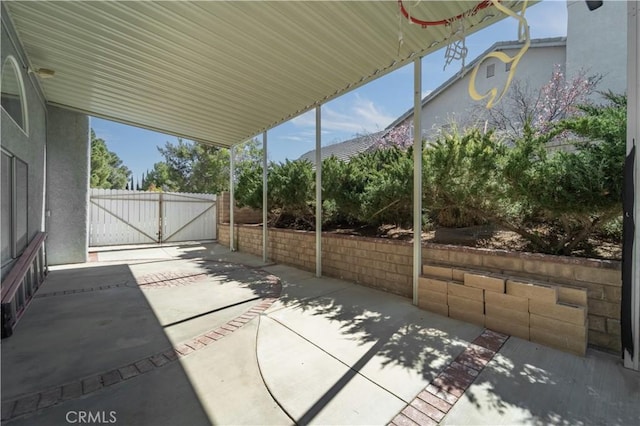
{"x":80,"y":290}
{"x":168,"y":279}
{"x":431,"y":405}
{"x":157,"y":280}
{"x":32,"y":402}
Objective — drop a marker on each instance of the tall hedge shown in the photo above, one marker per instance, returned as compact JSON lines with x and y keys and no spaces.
{"x":554,"y":199}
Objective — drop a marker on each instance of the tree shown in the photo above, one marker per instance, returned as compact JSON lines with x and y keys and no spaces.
{"x":248,"y":156}
{"x":398,"y":137}
{"x":159,"y":178}
{"x":199,"y":168}
{"x":190,"y":167}
{"x":523,"y":106}
{"x":107,"y":170}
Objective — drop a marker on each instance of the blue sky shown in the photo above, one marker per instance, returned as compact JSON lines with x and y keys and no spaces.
{"x":364,"y":110}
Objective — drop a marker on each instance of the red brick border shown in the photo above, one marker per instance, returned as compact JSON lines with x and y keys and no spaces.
{"x":157,"y":280}
{"x":168,"y":279}
{"x":80,"y":290}
{"x":431,"y":405}
{"x":32,"y":402}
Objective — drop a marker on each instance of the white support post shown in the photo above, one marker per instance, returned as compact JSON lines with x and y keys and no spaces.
{"x":232,"y":201}
{"x":417,"y":175}
{"x":264,"y":198}
{"x":318,"y":194}
{"x":633,"y":136}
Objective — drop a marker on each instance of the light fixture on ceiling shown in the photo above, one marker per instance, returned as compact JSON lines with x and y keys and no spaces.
{"x":593,"y":5}
{"x":43,"y":72}
{"x":487,"y":17}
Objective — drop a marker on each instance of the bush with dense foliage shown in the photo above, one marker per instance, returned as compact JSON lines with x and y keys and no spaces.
{"x":554,"y":199}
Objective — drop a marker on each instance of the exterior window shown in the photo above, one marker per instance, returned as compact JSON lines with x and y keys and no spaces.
{"x":7,"y":197}
{"x":14,"y":232}
{"x":13,"y":98}
{"x":507,"y":67}
{"x":491,"y":70}
{"x":20,"y":188}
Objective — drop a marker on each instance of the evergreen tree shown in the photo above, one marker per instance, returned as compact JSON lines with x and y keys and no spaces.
{"x":198,"y":168}
{"x":107,"y":170}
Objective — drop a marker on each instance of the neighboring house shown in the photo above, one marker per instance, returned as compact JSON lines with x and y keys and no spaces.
{"x":587,"y":47}
{"x":450,"y":102}
{"x":344,"y":150}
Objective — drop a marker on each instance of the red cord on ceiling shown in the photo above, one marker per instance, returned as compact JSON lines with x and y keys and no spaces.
{"x":481,"y":5}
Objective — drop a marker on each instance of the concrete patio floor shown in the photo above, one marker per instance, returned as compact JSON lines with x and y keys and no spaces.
{"x":196,"y":334}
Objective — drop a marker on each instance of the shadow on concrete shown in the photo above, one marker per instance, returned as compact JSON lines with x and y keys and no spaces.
{"x":532,"y":384}
{"x":65,"y":337}
{"x":244,"y":271}
{"x":377,"y":347}
{"x":525,"y":383}
{"x":404,"y":335}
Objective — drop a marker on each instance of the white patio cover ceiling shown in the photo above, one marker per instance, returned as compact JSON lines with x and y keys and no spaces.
{"x":221,"y":72}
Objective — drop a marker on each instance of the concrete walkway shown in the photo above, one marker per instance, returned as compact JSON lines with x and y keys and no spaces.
{"x":195,"y":334}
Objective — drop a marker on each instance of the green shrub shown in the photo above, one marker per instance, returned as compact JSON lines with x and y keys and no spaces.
{"x":291,"y":189}
{"x":248,"y":190}
{"x":460,"y":177}
{"x":572,"y":193}
{"x":387,"y":196}
{"x":555,"y":200}
{"x":342,"y":187}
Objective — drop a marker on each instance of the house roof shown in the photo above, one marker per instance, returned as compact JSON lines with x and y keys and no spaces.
{"x":499,"y":46}
{"x":343,"y":150}
{"x":222,"y":72}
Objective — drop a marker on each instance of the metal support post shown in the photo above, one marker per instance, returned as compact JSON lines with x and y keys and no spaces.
{"x":417,"y":175}
{"x":264,"y":198}
{"x":232,"y":202}
{"x":318,"y":194}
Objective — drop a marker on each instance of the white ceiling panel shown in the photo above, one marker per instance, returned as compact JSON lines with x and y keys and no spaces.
{"x":222,"y":72}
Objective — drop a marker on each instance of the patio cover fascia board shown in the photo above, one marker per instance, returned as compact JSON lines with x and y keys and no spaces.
{"x":221,"y":72}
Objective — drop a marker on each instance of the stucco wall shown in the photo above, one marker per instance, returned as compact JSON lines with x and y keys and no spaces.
{"x":597,"y":42}
{"x":68,"y":171}
{"x":30,"y":147}
{"x":455,"y":104}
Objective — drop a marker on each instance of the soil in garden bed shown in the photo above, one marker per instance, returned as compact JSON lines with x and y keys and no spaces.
{"x":484,"y":237}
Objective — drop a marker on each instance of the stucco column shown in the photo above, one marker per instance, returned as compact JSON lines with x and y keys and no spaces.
{"x":68,"y":171}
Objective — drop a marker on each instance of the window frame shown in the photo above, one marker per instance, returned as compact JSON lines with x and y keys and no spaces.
{"x":12,"y":62}
{"x":491,"y":70}
{"x":15,"y":250}
{"x":9,"y":237}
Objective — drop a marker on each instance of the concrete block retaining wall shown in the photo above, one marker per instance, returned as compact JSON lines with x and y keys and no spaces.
{"x":386,"y":265}
{"x":601,"y":278}
{"x":240,"y":214}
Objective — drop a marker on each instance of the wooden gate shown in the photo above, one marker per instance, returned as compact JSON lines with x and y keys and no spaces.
{"x":137,"y":217}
